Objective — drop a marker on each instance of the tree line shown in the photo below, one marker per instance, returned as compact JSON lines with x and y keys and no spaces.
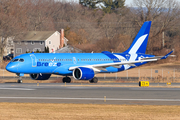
{"x":94,"y":25}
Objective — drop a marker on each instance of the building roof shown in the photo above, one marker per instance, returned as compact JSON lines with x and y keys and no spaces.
{"x":37,"y":35}
{"x":69,"y":49}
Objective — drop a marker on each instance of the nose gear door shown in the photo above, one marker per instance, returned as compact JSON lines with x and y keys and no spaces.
{"x":34,"y":60}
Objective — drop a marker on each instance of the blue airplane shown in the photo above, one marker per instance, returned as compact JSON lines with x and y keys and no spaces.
{"x":84,"y":66}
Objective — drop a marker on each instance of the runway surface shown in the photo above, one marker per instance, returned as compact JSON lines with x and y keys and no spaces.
{"x":89,"y":93}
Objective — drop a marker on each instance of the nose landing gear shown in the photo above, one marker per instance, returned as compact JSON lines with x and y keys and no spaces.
{"x":19,"y":81}
{"x":20,"y":77}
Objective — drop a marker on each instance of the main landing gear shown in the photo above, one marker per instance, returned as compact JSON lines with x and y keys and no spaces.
{"x":66,"y":80}
{"x":94,"y":80}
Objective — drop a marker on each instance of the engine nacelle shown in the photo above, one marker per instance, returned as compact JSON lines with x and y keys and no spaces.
{"x":40,"y":76}
{"x":82,"y":73}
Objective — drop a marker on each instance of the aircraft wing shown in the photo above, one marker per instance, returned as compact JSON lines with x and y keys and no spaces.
{"x":99,"y":67}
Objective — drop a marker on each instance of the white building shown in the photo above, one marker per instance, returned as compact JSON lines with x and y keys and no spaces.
{"x":38,"y":40}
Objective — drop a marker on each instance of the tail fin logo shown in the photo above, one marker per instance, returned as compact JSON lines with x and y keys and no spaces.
{"x":138,"y":43}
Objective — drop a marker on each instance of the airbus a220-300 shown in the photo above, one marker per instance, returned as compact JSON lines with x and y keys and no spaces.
{"x":84,"y":66}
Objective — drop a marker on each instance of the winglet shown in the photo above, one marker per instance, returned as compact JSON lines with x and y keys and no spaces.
{"x":167,"y":55}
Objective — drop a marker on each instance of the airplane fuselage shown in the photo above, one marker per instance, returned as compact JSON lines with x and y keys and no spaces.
{"x":59,"y":63}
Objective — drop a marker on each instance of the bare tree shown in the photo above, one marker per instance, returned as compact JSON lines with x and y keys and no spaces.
{"x":164,"y":15}
{"x":11,"y":23}
{"x":39,"y":15}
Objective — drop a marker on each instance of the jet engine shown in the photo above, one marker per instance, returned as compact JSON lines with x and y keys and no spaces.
{"x":83,"y":73}
{"x":40,"y":76}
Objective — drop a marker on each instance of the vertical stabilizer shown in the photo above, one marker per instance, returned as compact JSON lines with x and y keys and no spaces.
{"x":140,"y":42}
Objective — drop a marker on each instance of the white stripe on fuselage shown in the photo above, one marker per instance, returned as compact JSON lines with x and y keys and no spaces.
{"x":138,"y":44}
{"x":132,"y":58}
{"x":133,"y":50}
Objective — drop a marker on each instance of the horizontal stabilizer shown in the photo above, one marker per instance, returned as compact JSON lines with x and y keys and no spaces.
{"x":167,"y":55}
{"x":159,"y":57}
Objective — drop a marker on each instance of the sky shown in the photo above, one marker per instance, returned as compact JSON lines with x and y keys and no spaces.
{"x":127,"y":3}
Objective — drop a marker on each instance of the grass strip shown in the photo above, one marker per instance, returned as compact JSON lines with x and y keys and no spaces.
{"x":44,"y":111}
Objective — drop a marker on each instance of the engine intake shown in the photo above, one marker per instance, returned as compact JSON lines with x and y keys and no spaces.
{"x":82,"y":73}
{"x":40,"y":76}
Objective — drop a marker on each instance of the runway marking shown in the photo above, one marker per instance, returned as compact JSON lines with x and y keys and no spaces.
{"x":15,"y":89}
{"x":107,"y":99}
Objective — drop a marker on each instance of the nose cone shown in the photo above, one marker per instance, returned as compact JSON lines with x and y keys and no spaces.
{"x":11,"y":68}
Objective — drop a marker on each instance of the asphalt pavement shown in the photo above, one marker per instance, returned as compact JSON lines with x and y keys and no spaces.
{"x":116,"y":93}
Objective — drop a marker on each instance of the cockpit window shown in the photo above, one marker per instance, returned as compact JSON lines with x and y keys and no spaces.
{"x":16,"y":60}
{"x":21,"y":60}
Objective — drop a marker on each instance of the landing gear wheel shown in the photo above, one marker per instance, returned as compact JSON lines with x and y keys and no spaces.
{"x":20,"y":79}
{"x":94,"y":80}
{"x":66,"y":79}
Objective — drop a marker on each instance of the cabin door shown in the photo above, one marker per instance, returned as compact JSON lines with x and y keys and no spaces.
{"x":34,"y":60}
